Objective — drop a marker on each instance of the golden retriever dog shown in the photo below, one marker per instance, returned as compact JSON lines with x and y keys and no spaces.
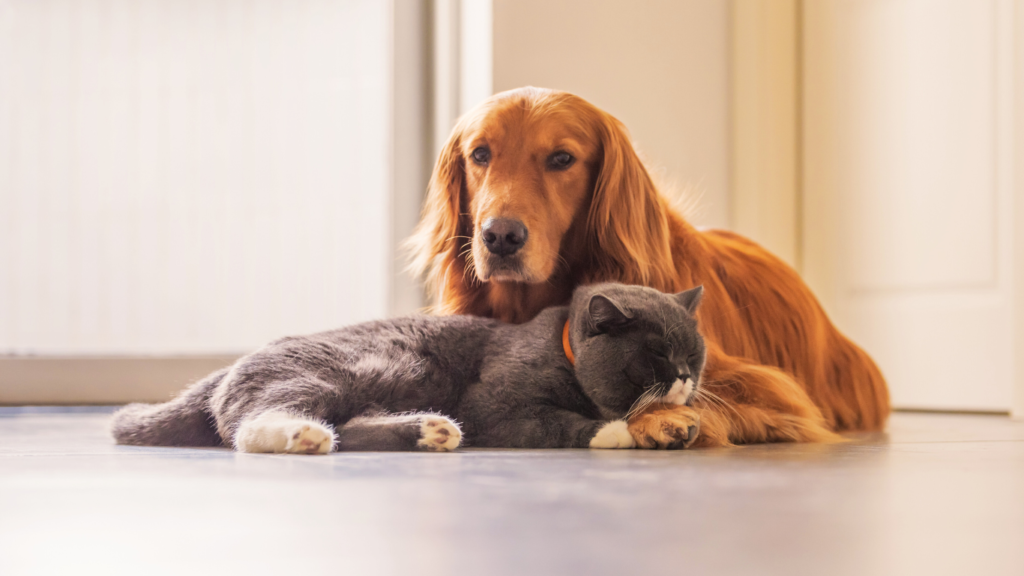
{"x":538,"y":191}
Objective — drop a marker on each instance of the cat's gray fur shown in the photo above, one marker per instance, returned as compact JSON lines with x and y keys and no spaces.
{"x":509,"y":385}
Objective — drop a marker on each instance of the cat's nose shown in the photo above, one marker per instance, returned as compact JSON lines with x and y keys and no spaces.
{"x":503,"y":236}
{"x":683,"y":376}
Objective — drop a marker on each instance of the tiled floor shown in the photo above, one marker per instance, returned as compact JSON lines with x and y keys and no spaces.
{"x":939,"y":494}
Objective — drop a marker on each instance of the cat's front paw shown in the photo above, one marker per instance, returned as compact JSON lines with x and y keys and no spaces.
{"x":311,"y":438}
{"x":613,"y":435}
{"x":438,"y":434}
{"x":669,"y":428}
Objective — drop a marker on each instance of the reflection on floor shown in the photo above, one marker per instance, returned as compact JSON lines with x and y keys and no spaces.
{"x":938,"y":494}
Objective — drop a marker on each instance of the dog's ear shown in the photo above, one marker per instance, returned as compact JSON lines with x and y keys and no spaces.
{"x":438,"y":233}
{"x":628,"y":219}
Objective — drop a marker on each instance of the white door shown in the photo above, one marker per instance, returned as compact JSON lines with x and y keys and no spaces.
{"x":908,"y":212}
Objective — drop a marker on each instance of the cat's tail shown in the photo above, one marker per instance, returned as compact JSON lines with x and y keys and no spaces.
{"x":184,"y":421}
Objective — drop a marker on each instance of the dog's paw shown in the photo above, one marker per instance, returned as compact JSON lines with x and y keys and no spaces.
{"x":666,"y":428}
{"x":438,"y":434}
{"x":309,"y":438}
{"x":613,"y":435}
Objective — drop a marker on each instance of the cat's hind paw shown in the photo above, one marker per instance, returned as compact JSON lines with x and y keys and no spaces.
{"x":310,"y":438}
{"x":614,"y":434}
{"x":281,"y":432}
{"x":438,"y":434}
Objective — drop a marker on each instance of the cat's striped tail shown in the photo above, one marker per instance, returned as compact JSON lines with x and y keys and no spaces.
{"x":184,"y":421}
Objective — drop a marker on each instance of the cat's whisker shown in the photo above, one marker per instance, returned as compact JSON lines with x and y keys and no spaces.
{"x":713,"y":382}
{"x":706,"y":394}
{"x":634,"y":408}
{"x":637,"y":406}
{"x":640,"y":408}
{"x":703,"y":398}
{"x":649,"y":396}
{"x":706,"y":403}
{"x":650,"y":399}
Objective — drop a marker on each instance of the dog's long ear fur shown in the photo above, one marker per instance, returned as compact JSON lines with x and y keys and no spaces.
{"x":439,"y":237}
{"x":628,"y":218}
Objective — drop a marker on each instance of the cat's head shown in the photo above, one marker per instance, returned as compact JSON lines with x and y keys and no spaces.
{"x":635,"y":345}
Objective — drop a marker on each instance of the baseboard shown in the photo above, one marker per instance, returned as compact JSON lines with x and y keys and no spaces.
{"x":975,"y":412}
{"x":100,"y":380}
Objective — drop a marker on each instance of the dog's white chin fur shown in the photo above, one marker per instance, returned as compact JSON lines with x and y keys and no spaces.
{"x":505,"y":277}
{"x":496,"y":273}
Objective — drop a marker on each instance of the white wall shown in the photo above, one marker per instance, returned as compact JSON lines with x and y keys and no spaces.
{"x":659,"y":66}
{"x":190,"y":177}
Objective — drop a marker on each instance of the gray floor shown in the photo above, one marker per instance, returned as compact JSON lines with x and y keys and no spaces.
{"x":938,"y":494}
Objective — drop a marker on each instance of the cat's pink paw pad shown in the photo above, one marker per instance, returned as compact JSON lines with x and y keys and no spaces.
{"x":438,"y":434}
{"x":310,"y":439}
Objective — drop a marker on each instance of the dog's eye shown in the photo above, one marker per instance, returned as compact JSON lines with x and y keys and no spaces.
{"x":560,"y":160}
{"x":482,"y":155}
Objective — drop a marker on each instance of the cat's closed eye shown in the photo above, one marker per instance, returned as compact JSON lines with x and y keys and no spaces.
{"x":659,"y":349}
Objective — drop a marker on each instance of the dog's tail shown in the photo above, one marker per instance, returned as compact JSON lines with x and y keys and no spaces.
{"x":185,"y":421}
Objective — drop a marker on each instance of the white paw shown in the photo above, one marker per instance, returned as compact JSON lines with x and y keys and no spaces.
{"x":614,"y":434}
{"x":310,"y":438}
{"x":439,"y":434}
{"x":281,"y":432}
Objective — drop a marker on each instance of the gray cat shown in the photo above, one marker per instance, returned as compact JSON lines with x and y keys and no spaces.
{"x":567,"y":379}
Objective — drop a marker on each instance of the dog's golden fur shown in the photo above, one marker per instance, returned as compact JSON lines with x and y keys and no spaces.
{"x":777,"y":369}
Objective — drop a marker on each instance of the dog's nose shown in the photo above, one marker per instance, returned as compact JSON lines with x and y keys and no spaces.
{"x":503,"y":236}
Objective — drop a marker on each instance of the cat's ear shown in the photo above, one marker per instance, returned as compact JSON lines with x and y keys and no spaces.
{"x":691,"y":298}
{"x":605,"y":313}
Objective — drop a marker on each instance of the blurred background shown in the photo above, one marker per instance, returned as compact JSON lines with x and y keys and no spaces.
{"x":182,"y":181}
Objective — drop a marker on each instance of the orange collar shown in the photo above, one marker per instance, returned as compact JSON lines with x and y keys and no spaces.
{"x":565,"y":344}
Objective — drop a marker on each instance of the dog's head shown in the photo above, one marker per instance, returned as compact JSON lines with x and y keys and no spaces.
{"x":523,"y":174}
